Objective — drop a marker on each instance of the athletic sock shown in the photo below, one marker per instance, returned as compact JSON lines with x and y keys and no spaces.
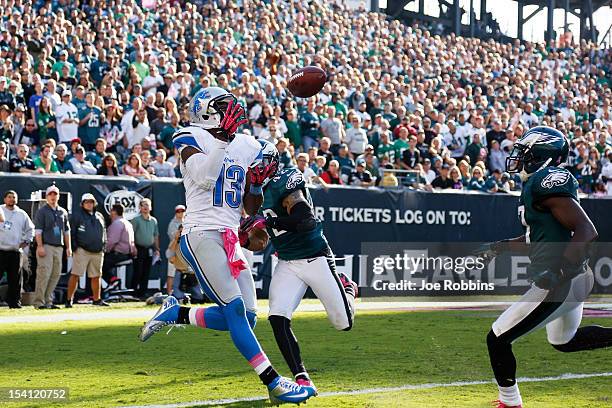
{"x":268,"y":375}
{"x":183,"y":315}
{"x":204,"y":317}
{"x":287,"y":343}
{"x":510,"y":395}
{"x":302,"y":376}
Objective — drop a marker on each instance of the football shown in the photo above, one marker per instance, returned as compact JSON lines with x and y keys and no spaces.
{"x":258,"y":239}
{"x":307,"y":81}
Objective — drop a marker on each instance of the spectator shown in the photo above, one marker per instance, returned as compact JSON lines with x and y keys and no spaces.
{"x":52,"y":234}
{"x":356,"y":138}
{"x":6,"y":97}
{"x":88,"y":240}
{"x":475,"y":150}
{"x":79,"y":164}
{"x":174,"y":227}
{"x":62,"y":162}
{"x":429,"y":174}
{"x":98,"y":154}
{"x":302,"y":164}
{"x":29,"y":136}
{"x":360,"y":176}
{"x":294,"y":133}
{"x":45,"y":121}
{"x":411,"y":156}
{"x":285,"y":160}
{"x":332,"y":128}
{"x":16,"y":233}
{"x":108,"y":166}
{"x":133,"y":167}
{"x":159,"y":123}
{"x":389,"y":179}
{"x":477,"y":181}
{"x":146,"y":237}
{"x":135,"y":124}
{"x":495,"y":134}
{"x":90,"y":118}
{"x":165,"y":136}
{"x":529,"y":118}
{"x":7,"y":127}
{"x":45,"y":161}
{"x":67,"y":117}
{"x":5,"y":165}
{"x":606,"y":173}
{"x":161,"y":167}
{"x":324,"y":150}
{"x":455,"y":177}
{"x":497,"y":157}
{"x":120,"y":245}
{"x":332,"y":174}
{"x":52,"y":95}
{"x":443,"y":181}
{"x":23,"y":163}
{"x":34,"y":101}
{"x":347,"y":164}
{"x":309,"y":125}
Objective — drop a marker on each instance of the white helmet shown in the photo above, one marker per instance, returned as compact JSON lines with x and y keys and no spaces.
{"x":208,"y":106}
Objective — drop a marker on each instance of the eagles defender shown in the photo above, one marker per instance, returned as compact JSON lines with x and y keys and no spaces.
{"x":558,"y":233}
{"x":223,"y":173}
{"x":305,"y":260}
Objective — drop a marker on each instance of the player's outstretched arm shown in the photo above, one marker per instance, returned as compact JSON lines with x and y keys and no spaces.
{"x":253,"y":199}
{"x":569,"y":213}
{"x":301,"y":216}
{"x":204,"y":168}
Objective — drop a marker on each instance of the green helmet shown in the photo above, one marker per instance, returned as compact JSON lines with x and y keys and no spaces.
{"x":540,"y":147}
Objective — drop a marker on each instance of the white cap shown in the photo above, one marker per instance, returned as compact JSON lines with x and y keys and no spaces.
{"x":87,"y":196}
{"x":52,"y":188}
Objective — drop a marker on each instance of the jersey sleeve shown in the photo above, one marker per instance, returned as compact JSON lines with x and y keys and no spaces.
{"x":554,"y":182}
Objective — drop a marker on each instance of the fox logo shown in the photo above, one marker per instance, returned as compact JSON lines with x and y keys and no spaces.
{"x":555,"y":178}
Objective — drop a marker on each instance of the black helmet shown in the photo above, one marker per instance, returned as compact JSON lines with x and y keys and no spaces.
{"x":540,"y":147}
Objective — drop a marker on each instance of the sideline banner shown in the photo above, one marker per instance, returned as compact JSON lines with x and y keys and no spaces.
{"x":353,"y":218}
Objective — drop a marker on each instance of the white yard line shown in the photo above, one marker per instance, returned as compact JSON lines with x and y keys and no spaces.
{"x":146,"y":313}
{"x":374,"y":390}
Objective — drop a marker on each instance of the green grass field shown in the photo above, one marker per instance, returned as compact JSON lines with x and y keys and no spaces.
{"x":103,"y":363}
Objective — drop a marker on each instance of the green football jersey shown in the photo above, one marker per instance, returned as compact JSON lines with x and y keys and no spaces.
{"x":388,"y":150}
{"x":290,"y":245}
{"x":543,"y":231}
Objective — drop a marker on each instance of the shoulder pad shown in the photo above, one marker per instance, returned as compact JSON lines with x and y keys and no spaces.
{"x":553,"y":181}
{"x":289,"y":180}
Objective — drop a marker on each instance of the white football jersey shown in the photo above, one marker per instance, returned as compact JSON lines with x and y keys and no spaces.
{"x":220,"y":206}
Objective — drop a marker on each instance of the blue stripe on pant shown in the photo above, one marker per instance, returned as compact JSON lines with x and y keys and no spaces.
{"x":190,"y":258}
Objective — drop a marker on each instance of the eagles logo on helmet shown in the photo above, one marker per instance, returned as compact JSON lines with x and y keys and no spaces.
{"x":540,"y":147}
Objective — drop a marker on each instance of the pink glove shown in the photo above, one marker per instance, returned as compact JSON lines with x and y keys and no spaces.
{"x":234,"y":117}
{"x":250,"y":223}
{"x":259,"y":174}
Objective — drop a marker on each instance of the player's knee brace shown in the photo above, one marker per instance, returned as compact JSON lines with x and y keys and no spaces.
{"x":252,"y":318}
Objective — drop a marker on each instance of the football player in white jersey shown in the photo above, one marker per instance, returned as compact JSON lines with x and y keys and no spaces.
{"x":223,"y":173}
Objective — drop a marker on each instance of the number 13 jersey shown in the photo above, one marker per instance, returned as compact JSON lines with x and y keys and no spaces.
{"x":219,"y":205}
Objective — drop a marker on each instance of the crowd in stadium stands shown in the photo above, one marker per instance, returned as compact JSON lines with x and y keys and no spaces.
{"x":101,"y":88}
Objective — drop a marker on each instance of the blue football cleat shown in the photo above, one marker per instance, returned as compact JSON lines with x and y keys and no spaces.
{"x":166,"y":315}
{"x":283,"y":390}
